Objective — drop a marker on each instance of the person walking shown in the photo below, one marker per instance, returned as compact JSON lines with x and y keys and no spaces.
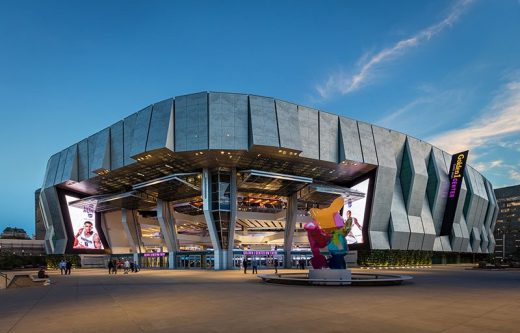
{"x":110,"y":267}
{"x":114,"y":269}
{"x":276,"y":265}
{"x":62,"y":266}
{"x":244,"y":263}
{"x":68,"y":267}
{"x":127,"y":266}
{"x":255,"y":267}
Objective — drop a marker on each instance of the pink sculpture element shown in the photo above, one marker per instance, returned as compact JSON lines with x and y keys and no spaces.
{"x":317,"y":239}
{"x":338,"y":221}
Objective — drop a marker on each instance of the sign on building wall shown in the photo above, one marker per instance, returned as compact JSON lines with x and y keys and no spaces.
{"x":458,"y":164}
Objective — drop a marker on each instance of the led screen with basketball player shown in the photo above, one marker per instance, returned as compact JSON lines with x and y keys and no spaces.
{"x":83,"y":222}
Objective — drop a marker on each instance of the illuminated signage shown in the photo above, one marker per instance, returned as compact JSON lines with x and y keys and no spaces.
{"x":458,"y":164}
{"x":155,"y":254}
{"x":259,"y":253}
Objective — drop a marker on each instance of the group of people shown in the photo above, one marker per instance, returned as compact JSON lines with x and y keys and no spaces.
{"x":127,"y":265}
{"x":65,"y":267}
{"x":254,"y":265}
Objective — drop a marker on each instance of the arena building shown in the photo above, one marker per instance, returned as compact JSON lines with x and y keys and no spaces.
{"x":208,"y":180}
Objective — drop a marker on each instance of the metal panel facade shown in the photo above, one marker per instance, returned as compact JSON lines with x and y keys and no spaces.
{"x":264,"y":126}
{"x":191,"y":122}
{"x":350,"y":144}
{"x":161,"y":130}
{"x":99,"y":151}
{"x":329,"y":140}
{"x":367,"y":143}
{"x":411,"y":182}
{"x":288,"y":128}
{"x":309,"y":130}
{"x":117,"y":159}
{"x":228,"y":121}
{"x":140,"y":132}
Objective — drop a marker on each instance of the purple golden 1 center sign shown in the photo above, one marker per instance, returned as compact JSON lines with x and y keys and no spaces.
{"x":458,"y":164}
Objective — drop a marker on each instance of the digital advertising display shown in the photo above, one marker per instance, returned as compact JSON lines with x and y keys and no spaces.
{"x":83,"y":222}
{"x":354,"y":210}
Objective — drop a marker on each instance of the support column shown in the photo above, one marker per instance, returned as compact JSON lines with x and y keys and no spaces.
{"x":290,"y":223}
{"x":129,"y":231}
{"x":219,"y":205}
{"x":168,"y":230}
{"x":232,"y":217}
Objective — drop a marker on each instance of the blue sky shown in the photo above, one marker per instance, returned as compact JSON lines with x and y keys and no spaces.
{"x":447,"y":72}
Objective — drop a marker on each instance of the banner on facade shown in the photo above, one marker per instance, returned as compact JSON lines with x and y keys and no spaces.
{"x":456,"y":176}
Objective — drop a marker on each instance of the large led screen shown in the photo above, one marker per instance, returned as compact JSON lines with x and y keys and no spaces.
{"x":83,"y":221}
{"x":355,"y":210}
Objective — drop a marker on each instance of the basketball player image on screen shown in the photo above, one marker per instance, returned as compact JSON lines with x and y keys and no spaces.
{"x":356,"y":232}
{"x":87,"y":238}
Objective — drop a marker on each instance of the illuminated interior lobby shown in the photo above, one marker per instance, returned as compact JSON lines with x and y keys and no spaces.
{"x":207,"y":180}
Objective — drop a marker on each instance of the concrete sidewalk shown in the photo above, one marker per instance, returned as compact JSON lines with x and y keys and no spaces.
{"x":440,"y":299}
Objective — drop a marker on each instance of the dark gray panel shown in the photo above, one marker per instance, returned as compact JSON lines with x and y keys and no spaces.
{"x":384,"y":144}
{"x":382,"y":201}
{"x":264,"y":126}
{"x":117,"y":159}
{"x":228,"y":121}
{"x":329,"y":140}
{"x":416,"y":233}
{"x":419,"y":179}
{"x":128,"y":134}
{"x":387,"y":209}
{"x":465,"y":234}
{"x":191,"y":122}
{"x":140,"y":133}
{"x":51,"y":210}
{"x":309,"y":132}
{"x":99,"y":151}
{"x":288,"y":127}
{"x":61,"y":166}
{"x":83,"y":172}
{"x":70,"y":168}
{"x":428,"y":226}
{"x":399,"y":224}
{"x":52,"y":168}
{"x":350,"y":144}
{"x":367,"y":143}
{"x":161,"y":133}
{"x":441,"y":192}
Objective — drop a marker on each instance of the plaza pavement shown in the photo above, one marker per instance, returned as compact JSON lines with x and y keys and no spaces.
{"x":438,"y":299}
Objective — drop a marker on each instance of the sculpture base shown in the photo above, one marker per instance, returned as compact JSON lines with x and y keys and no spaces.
{"x":330,"y":274}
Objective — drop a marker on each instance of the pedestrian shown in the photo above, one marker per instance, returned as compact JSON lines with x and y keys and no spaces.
{"x":68,"y":266}
{"x":132,"y":266}
{"x":276,"y":265}
{"x":302,"y":263}
{"x":62,"y":266}
{"x":114,"y":262}
{"x":255,"y":267}
{"x":126,"y":265}
{"x":244,"y":263}
{"x":110,"y":267}
{"x":137,"y":267}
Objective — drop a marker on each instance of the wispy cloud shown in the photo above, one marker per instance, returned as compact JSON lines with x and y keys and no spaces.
{"x":514,"y":175}
{"x":391,"y":118}
{"x":344,"y":83}
{"x":483,"y":166}
{"x":500,"y":119}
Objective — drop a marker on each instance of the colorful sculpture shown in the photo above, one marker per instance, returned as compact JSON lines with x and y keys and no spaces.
{"x":328,"y":230}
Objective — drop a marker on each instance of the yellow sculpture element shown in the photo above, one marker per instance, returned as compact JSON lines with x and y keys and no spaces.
{"x":325,"y":216}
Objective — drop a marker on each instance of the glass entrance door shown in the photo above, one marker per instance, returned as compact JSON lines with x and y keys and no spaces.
{"x":191,"y":261}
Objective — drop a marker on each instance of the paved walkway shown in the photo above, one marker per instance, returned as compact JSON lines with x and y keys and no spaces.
{"x":440,"y":299}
